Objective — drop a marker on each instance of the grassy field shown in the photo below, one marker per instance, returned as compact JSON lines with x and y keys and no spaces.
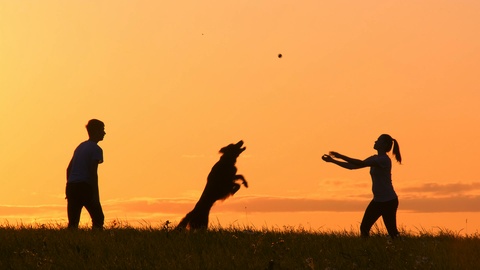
{"x":125,"y":247}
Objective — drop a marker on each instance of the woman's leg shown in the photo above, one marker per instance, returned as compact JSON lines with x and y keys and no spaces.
{"x":389,"y":216}
{"x":372,"y":213}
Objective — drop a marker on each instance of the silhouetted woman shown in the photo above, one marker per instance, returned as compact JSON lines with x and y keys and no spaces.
{"x":385,"y":200}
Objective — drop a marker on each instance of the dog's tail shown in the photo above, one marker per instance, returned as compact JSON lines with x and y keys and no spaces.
{"x":184,"y":222}
{"x":195,"y":220}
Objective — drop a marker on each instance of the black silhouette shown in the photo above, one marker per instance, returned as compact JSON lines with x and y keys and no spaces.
{"x":222,"y":182}
{"x":82,"y":178}
{"x":385,"y":200}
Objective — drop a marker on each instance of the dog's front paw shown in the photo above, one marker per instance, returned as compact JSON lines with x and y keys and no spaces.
{"x":240,"y":177}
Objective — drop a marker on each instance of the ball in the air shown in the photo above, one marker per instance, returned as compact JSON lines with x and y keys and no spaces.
{"x":279,"y":55}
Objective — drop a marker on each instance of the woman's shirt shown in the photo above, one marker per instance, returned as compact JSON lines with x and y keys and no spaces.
{"x":381,"y":173}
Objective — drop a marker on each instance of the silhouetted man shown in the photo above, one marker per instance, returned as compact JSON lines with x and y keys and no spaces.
{"x":82,"y":178}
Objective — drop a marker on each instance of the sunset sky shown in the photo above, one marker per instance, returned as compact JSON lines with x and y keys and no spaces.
{"x":174,"y":81}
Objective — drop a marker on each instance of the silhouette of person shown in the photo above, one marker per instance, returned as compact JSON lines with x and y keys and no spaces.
{"x":385,"y":200}
{"x":82,"y":178}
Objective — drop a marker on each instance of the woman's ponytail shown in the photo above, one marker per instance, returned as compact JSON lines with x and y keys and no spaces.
{"x":396,"y":151}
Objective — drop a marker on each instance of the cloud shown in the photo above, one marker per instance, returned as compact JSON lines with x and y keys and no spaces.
{"x":270,"y":204}
{"x":424,"y":198}
{"x":15,"y":210}
{"x":444,"y":189}
{"x":32,"y":213}
{"x":150,"y":205}
{"x":441,"y":205}
{"x":289,"y":204}
{"x":412,"y":204}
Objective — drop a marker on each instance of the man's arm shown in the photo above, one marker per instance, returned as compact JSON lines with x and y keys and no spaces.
{"x":69,"y":169}
{"x":93,"y":172}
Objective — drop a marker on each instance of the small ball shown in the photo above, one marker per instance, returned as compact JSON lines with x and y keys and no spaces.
{"x":279,"y":55}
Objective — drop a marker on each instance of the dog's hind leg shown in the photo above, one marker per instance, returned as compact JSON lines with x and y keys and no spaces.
{"x":199,"y":222}
{"x":199,"y":219}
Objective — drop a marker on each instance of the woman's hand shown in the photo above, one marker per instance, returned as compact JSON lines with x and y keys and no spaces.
{"x":335,"y":154}
{"x":327,"y":158}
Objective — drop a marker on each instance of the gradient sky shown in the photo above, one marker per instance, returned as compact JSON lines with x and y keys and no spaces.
{"x":175,"y":81}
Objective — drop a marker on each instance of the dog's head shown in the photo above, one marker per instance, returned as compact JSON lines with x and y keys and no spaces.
{"x":233,"y":150}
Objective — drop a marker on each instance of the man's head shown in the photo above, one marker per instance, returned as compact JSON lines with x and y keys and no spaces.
{"x":96,"y":130}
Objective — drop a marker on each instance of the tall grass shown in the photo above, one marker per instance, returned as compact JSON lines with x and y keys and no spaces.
{"x":121,"y":246}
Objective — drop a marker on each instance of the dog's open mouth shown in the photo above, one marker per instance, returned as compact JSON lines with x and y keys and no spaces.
{"x":235,"y":149}
{"x":239,"y":146}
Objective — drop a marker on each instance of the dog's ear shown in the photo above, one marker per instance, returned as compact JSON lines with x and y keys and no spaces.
{"x":224,"y":149}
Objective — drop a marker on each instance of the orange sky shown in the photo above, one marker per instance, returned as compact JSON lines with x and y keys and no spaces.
{"x":174,"y":81}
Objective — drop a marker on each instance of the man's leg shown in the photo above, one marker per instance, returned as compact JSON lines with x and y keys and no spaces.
{"x":94,"y":208}
{"x":74,"y":204}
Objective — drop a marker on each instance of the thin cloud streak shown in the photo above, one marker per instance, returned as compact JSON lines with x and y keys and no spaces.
{"x":442,"y":205}
{"x":425,"y":198}
{"x":445,"y":189}
{"x":419,"y":205}
{"x":253,"y":204}
{"x":30,"y":210}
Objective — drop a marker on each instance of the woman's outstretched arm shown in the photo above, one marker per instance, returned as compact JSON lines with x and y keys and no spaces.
{"x":349,"y":160}
{"x":346,"y":165}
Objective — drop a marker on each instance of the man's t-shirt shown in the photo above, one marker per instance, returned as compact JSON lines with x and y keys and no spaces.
{"x":86,"y":155}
